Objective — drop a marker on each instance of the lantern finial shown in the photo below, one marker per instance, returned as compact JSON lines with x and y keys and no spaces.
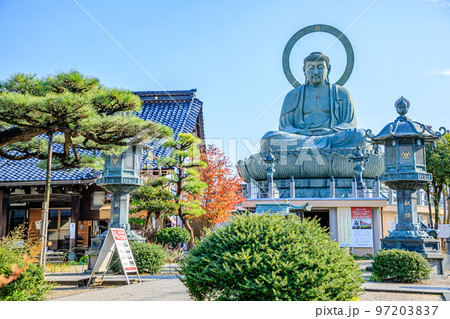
{"x":402,"y":106}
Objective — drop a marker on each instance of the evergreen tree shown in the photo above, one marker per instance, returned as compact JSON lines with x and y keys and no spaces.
{"x":74,"y":112}
{"x":184,"y":179}
{"x":438,"y":164}
{"x":156,"y":200}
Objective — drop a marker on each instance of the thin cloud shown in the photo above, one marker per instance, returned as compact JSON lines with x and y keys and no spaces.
{"x":444,"y":3}
{"x":445,"y":72}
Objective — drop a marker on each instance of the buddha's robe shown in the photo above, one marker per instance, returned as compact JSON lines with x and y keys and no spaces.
{"x":339,"y":131}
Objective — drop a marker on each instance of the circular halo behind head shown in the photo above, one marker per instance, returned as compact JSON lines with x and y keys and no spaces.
{"x":318,"y":28}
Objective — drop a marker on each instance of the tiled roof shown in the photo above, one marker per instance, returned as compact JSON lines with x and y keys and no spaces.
{"x":178,"y":110}
{"x":27,"y":171}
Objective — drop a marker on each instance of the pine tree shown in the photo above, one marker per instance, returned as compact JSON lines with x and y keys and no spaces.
{"x":184,"y":179}
{"x":72,"y":112}
{"x":155,"y":199}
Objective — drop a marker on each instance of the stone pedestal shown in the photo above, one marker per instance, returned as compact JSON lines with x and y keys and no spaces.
{"x":407,"y":234}
{"x":412,"y":243}
{"x":436,"y":261}
{"x":310,"y":164}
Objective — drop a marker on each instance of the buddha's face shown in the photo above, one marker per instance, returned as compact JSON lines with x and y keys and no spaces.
{"x":316,"y":72}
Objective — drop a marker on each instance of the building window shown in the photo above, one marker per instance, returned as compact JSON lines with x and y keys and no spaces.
{"x":97,"y":199}
{"x":17,"y":217}
{"x":58,"y":227}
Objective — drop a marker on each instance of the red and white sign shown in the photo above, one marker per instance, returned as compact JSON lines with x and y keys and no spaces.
{"x":115,"y":239}
{"x":119,"y":234}
{"x":362,"y":235}
{"x":124,"y":250}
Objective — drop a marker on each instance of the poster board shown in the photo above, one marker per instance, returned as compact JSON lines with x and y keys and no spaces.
{"x":362,"y":228}
{"x":344,"y":226}
{"x":116,"y":238}
{"x":444,"y":231}
{"x":73,"y":228}
{"x":355,"y":227}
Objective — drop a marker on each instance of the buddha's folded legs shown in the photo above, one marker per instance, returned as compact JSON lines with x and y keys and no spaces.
{"x":280,"y":141}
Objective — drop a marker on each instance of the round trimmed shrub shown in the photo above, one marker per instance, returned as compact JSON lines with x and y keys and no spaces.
{"x":148,"y":257}
{"x":270,"y":257}
{"x":399,"y":265}
{"x":172,"y":236}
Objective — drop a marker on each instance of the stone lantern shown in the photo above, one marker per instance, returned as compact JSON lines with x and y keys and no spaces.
{"x":359,"y":159}
{"x":120,"y":177}
{"x":270,"y":168}
{"x":404,"y":141}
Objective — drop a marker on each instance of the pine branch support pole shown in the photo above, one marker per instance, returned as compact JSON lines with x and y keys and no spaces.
{"x":46,"y":203}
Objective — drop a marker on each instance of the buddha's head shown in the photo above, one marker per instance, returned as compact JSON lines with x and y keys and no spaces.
{"x":316,"y":68}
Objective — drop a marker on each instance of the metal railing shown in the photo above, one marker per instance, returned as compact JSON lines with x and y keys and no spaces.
{"x":257,"y":190}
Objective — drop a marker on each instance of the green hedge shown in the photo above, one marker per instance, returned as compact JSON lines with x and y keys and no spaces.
{"x":399,"y":265}
{"x":172,"y":236}
{"x":270,"y":257}
{"x":149,"y":258}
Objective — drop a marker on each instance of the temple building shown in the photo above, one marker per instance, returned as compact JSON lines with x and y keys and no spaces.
{"x":75,"y":198}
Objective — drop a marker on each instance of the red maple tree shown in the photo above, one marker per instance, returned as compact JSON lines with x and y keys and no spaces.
{"x":224,"y":190}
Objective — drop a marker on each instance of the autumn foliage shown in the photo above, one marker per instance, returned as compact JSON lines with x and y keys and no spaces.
{"x":224,"y":187}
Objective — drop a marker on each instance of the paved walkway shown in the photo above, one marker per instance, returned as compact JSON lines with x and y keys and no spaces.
{"x":152,"y":288}
{"x":170,"y":288}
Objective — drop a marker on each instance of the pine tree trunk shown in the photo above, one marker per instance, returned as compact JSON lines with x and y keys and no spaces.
{"x":46,"y":203}
{"x":444,"y":193}
{"x":436,"y":214}
{"x":146,"y":230}
{"x":430,"y":217}
{"x":437,"y":202}
{"x":191,"y":232}
{"x":188,"y":228}
{"x":448,"y":206}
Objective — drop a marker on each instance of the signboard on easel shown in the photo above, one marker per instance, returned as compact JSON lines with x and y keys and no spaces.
{"x":116,"y":238}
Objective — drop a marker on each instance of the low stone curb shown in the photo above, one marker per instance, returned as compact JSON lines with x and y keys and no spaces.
{"x":383,"y":287}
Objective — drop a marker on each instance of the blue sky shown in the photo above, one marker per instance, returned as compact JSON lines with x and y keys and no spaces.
{"x":230,"y":51}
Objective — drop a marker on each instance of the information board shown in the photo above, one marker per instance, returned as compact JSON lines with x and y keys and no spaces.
{"x":73,"y":228}
{"x":362,"y":235}
{"x":124,"y":250}
{"x":116,"y":238}
{"x":355,"y":226}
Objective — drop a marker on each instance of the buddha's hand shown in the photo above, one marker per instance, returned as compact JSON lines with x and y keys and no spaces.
{"x":320,"y":131}
{"x":293,"y":130}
